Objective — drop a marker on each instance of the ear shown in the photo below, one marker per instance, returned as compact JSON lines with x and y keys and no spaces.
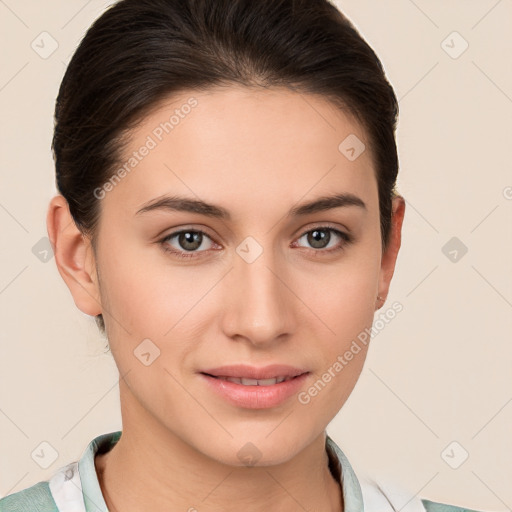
{"x":74,"y":257}
{"x":395,"y":239}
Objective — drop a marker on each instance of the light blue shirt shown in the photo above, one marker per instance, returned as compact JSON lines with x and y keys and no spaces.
{"x":75,"y":488}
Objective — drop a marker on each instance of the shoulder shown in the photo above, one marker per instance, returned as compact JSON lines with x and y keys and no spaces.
{"x":63,"y":491}
{"x":432,"y":506}
{"x":37,"y":498}
{"x":384,"y":495}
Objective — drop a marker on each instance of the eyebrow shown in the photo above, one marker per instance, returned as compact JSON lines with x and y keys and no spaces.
{"x":186,"y":204}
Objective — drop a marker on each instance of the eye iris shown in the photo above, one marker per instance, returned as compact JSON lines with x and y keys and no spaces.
{"x":190,"y":237}
{"x":317,"y":237}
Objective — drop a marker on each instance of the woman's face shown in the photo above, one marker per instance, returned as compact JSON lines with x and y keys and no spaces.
{"x":263,"y":285}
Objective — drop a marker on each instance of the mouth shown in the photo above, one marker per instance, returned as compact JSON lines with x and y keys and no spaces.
{"x":254,"y":382}
{"x":250,"y":393}
{"x":255,"y":387}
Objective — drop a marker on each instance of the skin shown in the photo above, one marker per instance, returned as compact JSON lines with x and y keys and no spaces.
{"x":257,"y":153}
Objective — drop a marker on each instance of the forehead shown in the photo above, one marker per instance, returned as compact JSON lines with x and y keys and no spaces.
{"x":239,"y":142}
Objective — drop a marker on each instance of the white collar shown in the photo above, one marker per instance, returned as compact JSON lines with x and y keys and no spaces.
{"x":75,"y":487}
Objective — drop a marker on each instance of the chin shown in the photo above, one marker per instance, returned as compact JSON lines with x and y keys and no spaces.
{"x":263,"y":448}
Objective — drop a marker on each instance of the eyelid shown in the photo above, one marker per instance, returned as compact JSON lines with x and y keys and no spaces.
{"x":322,"y":225}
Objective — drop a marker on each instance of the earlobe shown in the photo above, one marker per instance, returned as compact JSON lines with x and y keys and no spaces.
{"x":74,"y":257}
{"x":391,"y":253}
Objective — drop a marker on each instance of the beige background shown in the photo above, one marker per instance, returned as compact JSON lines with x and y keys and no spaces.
{"x":441,"y":371}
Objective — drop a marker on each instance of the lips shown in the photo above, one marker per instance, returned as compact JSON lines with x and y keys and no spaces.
{"x":255,"y":376}
{"x":255,"y":393}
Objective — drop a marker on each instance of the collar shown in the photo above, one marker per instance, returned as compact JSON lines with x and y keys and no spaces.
{"x":343,"y":472}
{"x":75,"y":487}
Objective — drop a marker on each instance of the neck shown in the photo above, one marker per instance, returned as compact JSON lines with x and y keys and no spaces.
{"x":151,"y":468}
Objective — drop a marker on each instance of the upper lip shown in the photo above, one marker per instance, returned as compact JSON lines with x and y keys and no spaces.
{"x":253,"y":372}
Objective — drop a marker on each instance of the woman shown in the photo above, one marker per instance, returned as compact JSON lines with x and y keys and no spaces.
{"x":228,"y":213}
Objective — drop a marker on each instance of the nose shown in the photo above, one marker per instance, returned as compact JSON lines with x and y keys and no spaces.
{"x":259,"y":302}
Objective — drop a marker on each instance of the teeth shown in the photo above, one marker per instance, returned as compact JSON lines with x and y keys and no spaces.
{"x":264,"y":382}
{"x":251,"y":382}
{"x":255,"y":382}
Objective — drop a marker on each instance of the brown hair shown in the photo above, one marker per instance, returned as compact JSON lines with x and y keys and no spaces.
{"x":139,"y":52}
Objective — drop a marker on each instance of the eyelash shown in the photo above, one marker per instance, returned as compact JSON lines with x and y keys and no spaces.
{"x":347,"y":240}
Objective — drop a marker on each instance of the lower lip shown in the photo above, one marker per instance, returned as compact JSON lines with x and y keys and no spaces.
{"x":255,"y":397}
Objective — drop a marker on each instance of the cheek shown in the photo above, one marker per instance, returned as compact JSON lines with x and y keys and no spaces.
{"x":143,"y":294}
{"x":331,"y":387}
{"x":149,"y":298}
{"x":342,"y":296}
{"x":343,"y":300}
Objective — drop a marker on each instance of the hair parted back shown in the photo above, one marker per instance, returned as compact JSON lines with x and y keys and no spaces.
{"x":141,"y":52}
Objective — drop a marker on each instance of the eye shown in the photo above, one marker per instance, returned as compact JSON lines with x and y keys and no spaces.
{"x":188,"y":240}
{"x":320,"y":237}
